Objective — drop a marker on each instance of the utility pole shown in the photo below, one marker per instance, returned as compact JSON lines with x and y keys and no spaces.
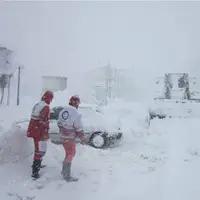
{"x":118,"y":82}
{"x":18,"y":85}
{"x":8,"y":97}
{"x":111,"y":82}
{"x":115,"y":83}
{"x":107,"y":82}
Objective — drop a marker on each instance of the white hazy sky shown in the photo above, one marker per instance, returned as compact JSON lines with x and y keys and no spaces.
{"x":66,"y":37}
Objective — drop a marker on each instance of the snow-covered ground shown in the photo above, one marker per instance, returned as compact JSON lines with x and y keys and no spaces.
{"x":176,"y":108}
{"x":161,"y":163}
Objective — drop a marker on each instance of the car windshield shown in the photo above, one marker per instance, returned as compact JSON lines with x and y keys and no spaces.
{"x":55,"y":113}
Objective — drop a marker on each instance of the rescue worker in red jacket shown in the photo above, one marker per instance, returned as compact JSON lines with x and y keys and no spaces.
{"x":38,"y":130}
{"x":70,"y":127}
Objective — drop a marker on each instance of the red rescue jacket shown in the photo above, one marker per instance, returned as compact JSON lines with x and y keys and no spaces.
{"x":39,"y":123}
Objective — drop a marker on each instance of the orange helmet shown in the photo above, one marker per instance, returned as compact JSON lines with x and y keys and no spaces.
{"x":74,"y":101}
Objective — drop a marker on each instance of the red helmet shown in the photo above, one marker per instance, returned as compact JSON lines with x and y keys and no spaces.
{"x":47,"y":97}
{"x":74,"y":101}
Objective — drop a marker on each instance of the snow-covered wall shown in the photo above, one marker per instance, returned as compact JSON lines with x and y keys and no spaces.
{"x":14,"y":145}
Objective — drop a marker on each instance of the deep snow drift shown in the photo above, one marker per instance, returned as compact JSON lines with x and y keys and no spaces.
{"x":157,"y":164}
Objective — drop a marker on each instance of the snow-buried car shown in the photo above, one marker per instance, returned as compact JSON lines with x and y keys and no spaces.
{"x":100,"y":131}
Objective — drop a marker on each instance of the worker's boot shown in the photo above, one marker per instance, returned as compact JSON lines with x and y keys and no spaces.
{"x":66,"y":172}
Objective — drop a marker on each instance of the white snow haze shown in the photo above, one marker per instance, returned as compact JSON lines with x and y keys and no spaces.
{"x":71,"y":37}
{"x":156,"y":159}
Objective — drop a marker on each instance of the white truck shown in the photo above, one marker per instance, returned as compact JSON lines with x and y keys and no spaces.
{"x":177,"y":97}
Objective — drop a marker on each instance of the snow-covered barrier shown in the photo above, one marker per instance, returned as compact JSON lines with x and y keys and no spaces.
{"x":176,"y":108}
{"x":14,"y":145}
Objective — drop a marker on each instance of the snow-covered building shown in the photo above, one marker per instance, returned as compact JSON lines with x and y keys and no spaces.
{"x":54,"y":83}
{"x":108,"y":83}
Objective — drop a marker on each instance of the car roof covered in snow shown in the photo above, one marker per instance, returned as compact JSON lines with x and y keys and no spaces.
{"x":82,"y":105}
